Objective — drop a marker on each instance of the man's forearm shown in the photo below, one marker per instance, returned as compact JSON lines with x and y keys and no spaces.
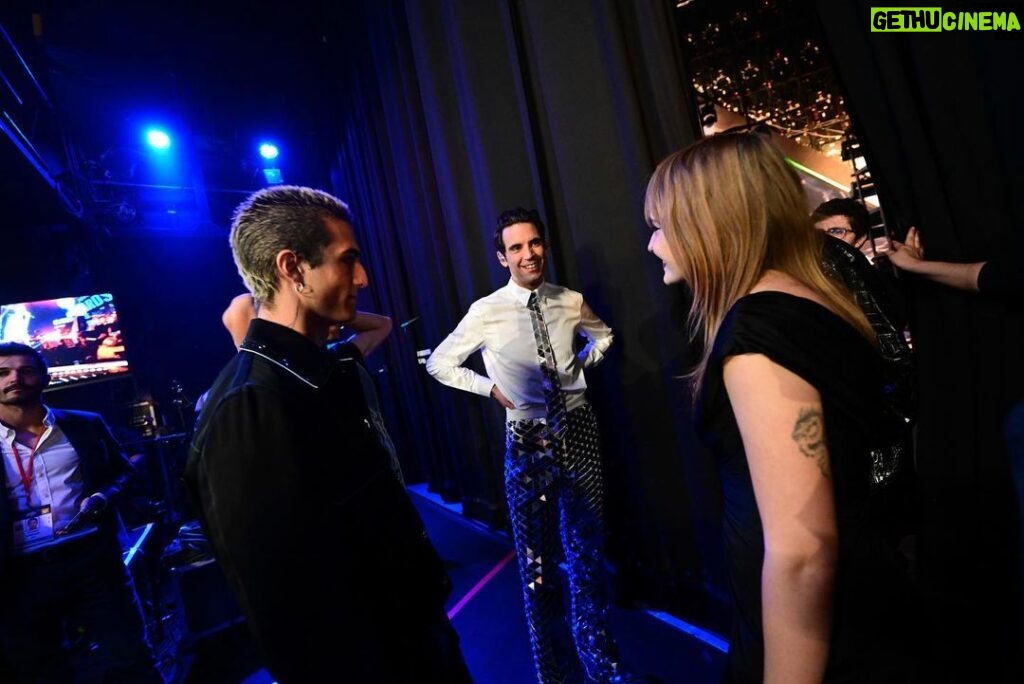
{"x":371,"y":331}
{"x":457,"y":376}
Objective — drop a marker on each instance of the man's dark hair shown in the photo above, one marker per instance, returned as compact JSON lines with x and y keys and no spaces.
{"x":512,"y":217}
{"x":844,"y":206}
{"x":19,"y":349}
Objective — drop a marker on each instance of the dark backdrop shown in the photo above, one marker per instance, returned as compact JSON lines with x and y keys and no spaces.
{"x":939,"y":115}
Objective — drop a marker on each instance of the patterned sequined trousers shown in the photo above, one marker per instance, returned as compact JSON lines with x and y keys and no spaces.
{"x":555,"y":505}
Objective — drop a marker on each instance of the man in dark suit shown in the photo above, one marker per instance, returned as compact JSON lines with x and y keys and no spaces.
{"x":60,"y":554}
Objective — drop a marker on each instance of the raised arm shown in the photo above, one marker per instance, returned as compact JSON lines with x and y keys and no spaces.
{"x":780,"y":419}
{"x":236,"y":317}
{"x":599,"y":336}
{"x":371,"y":330}
{"x":909,"y":256}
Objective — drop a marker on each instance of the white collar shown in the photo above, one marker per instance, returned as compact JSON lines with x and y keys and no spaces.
{"x":8,"y":432}
{"x":522,"y":295}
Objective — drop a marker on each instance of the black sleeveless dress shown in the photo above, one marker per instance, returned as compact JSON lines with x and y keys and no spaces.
{"x":875,"y":609}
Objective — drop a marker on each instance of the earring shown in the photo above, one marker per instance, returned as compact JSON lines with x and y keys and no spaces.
{"x":300,"y":287}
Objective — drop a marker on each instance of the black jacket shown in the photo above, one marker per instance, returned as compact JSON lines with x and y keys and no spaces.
{"x":326,"y":554}
{"x":104,"y":468}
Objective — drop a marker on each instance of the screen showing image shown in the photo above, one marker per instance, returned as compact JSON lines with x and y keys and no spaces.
{"x":80,"y":337}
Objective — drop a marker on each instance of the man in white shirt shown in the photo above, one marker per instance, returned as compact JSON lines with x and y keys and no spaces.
{"x":527,"y":332}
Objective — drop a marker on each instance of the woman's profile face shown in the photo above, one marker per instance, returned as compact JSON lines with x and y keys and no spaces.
{"x":658,"y":246}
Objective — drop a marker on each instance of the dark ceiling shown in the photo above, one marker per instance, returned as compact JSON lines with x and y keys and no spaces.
{"x":220,"y":76}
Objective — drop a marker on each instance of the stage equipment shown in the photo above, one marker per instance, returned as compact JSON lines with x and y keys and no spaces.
{"x":204,"y":600}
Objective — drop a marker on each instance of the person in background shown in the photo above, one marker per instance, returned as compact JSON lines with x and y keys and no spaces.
{"x":553,"y":482}
{"x":318,"y":538}
{"x":843,"y":218}
{"x":61,"y":570}
{"x":847,"y":219}
{"x":878,"y":290}
{"x":880,"y":295}
{"x":820,"y":589}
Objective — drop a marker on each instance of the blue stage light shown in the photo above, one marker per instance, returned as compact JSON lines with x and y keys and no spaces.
{"x":268,"y":151}
{"x":158,"y":139}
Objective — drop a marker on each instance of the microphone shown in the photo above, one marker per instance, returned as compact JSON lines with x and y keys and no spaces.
{"x":93,"y":506}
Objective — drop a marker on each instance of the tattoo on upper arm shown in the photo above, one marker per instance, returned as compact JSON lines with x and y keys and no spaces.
{"x":809,"y":434}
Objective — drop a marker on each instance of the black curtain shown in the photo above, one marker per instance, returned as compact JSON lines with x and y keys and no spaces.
{"x":939,"y":117}
{"x":454,"y":111}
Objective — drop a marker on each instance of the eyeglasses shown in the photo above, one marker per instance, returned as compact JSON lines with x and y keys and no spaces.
{"x":838,"y":232}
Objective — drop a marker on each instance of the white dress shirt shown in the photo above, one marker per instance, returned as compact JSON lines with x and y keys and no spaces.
{"x":499,"y":325}
{"x":56,"y":480}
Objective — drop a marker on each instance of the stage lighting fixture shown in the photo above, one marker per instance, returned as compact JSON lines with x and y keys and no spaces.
{"x":268,"y":151}
{"x":273,"y":176}
{"x":158,"y":139}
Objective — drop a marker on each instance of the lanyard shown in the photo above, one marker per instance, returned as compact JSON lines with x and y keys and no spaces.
{"x":26,"y":475}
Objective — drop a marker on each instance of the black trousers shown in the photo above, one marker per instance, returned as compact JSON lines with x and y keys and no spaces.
{"x":81,"y":586}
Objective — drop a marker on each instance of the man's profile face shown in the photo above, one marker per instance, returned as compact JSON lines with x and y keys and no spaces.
{"x":838,"y":227}
{"x":523,"y":255}
{"x":335,"y":283}
{"x":22,"y":381}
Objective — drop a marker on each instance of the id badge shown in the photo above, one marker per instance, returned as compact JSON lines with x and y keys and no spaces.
{"x":33,"y":526}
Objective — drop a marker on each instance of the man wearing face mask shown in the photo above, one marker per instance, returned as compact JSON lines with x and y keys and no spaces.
{"x":526,"y":332}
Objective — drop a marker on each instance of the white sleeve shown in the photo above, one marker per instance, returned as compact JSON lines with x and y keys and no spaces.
{"x":445,"y":363}
{"x":599,"y":336}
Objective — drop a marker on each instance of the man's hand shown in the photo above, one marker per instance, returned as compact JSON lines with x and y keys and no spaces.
{"x":501,"y":398}
{"x":92,"y":504}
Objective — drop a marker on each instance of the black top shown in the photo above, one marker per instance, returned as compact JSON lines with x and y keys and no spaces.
{"x":873,"y":593}
{"x":328,"y":557}
{"x":1002,"y":276}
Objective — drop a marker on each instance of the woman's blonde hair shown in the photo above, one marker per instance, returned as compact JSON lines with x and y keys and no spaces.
{"x":731,"y":208}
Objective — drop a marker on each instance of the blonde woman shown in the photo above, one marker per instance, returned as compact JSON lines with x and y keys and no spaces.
{"x":789,"y":394}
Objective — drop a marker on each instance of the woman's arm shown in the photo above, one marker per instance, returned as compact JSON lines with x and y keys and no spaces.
{"x":237,"y":316}
{"x":371,"y":330}
{"x":780,"y":419}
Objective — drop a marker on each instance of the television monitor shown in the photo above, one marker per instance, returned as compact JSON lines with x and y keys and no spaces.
{"x":80,"y":337}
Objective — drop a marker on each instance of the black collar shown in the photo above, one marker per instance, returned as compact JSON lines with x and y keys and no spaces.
{"x":293,"y":352}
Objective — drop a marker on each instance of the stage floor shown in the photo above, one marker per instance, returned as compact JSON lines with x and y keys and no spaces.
{"x":486,"y":610}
